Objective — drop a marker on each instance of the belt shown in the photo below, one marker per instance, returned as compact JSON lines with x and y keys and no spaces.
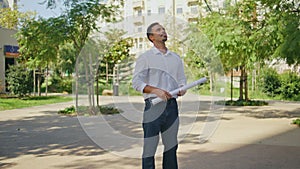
{"x":151,"y":98}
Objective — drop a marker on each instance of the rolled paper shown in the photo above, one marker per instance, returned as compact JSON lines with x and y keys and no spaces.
{"x":185,"y":87}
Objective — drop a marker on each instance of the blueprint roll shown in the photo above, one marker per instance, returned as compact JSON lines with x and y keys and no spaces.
{"x":185,"y":87}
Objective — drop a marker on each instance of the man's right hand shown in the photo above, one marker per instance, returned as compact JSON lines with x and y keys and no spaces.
{"x":164,"y":95}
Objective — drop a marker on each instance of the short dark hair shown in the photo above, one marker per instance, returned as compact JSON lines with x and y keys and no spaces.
{"x":149,"y":30}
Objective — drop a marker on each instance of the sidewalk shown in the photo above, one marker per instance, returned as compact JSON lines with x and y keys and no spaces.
{"x":245,"y":137}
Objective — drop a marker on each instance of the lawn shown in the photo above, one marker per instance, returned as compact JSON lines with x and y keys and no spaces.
{"x":14,"y":103}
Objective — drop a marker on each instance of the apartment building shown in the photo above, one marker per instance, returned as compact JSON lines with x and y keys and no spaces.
{"x":174,"y":15}
{"x":7,"y":3}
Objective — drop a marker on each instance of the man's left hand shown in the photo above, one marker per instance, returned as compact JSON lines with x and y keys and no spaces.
{"x":181,"y":92}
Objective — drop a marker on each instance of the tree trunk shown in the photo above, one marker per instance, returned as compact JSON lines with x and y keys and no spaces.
{"x":87,"y":79}
{"x":253,"y":88}
{"x":91,"y":80}
{"x":241,"y":83}
{"x":76,"y":85}
{"x":246,"y":85}
{"x":39,"y":82}
{"x":211,"y":82}
{"x":231,"y":85}
{"x":106,"y":65}
{"x":46,"y":79}
{"x":97,"y":86}
{"x":34,"y":83}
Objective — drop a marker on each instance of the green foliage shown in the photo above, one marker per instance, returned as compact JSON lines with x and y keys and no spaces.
{"x":68,"y":111}
{"x":243,"y":103}
{"x":290,"y":85}
{"x":39,"y":41}
{"x":113,"y":48}
{"x":85,"y":110}
{"x":108,"y":110}
{"x":11,"y":18}
{"x":296,"y":121}
{"x":58,"y":84}
{"x":283,"y":20}
{"x":270,"y":82}
{"x":66,"y":58}
{"x":19,"y":80}
{"x":80,"y":20}
{"x":285,"y":85}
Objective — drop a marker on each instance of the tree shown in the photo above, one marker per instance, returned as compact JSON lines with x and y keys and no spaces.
{"x":237,"y":34}
{"x":113,"y":48}
{"x":39,"y":42}
{"x":42,"y":39}
{"x":283,"y":19}
{"x":12,"y":18}
{"x":80,"y":23}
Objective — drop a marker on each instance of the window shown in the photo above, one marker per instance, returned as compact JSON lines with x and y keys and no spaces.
{"x":140,"y":29}
{"x":161,"y":10}
{"x":194,"y":10}
{"x":140,"y":45}
{"x":136,"y":43}
{"x":149,"y":12}
{"x":139,"y":12}
{"x":179,"y":11}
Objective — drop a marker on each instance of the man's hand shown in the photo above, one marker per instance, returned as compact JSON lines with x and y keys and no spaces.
{"x":164,"y":95}
{"x":181,"y":93}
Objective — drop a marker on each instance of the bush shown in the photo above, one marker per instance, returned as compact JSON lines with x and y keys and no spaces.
{"x":296,"y":121}
{"x":19,"y":80}
{"x":290,"y":85}
{"x":286,"y":85}
{"x":242,"y":103}
{"x":59,"y":84}
{"x":85,"y":110}
{"x":270,"y":82}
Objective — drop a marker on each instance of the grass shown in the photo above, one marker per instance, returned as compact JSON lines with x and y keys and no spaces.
{"x":15,"y":103}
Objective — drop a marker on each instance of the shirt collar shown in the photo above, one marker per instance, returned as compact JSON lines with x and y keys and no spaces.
{"x":157,"y":52}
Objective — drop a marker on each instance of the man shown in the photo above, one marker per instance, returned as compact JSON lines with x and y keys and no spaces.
{"x":157,"y":72}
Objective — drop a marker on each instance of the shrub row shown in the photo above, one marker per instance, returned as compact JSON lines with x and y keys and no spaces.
{"x":286,"y":85}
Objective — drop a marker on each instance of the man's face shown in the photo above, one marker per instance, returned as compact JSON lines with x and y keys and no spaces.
{"x":159,"y":34}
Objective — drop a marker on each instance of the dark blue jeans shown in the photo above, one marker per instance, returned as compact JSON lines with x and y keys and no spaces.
{"x":161,"y":118}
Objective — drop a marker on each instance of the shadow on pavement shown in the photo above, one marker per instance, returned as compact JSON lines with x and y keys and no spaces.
{"x":50,"y":135}
{"x":259,"y":155}
{"x":45,"y":136}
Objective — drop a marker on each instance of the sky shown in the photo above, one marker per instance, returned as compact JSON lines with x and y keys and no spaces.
{"x":33,"y":5}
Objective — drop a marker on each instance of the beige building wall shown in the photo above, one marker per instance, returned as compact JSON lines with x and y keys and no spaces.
{"x":6,"y":38}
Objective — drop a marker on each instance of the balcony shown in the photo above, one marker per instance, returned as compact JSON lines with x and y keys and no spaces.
{"x":192,"y":17}
{"x":138,"y":4}
{"x":192,"y":2}
{"x":138,"y":20}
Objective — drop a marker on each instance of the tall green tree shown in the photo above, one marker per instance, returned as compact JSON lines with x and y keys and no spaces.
{"x":237,"y":35}
{"x":41,"y":39}
{"x":282,"y":19}
{"x":39,"y":42}
{"x":113,"y":48}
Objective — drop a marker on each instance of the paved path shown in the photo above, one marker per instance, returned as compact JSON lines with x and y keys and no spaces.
{"x":245,"y":137}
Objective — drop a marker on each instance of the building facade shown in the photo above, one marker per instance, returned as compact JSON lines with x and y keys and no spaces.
{"x":173,"y":14}
{"x":7,"y":3}
{"x":8,"y":46}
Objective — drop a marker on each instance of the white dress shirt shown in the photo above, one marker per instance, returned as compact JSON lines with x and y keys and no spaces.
{"x":164,"y":71}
